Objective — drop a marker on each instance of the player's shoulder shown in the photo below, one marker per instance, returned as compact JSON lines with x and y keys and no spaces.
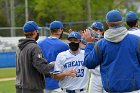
{"x":42,"y":40}
{"x":63,"y":53}
{"x":62,"y":42}
{"x":134,"y":33}
{"x":134,"y":30}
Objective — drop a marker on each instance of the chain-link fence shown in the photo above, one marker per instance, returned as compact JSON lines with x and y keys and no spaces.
{"x":9,"y":36}
{"x":75,"y":26}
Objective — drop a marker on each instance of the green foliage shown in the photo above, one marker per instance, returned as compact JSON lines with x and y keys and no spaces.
{"x":99,"y":8}
{"x":19,"y":15}
{"x":3,"y":22}
{"x":43,"y":11}
{"x":7,"y":86}
{"x":75,"y":10}
{"x":64,"y":10}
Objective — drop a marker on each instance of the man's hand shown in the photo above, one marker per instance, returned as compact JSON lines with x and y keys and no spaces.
{"x":52,"y":63}
{"x":71,"y":73}
{"x":60,"y":76}
{"x":88,"y":37}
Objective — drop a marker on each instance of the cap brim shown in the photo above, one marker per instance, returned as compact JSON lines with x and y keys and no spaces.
{"x":72,"y":37}
{"x":56,"y":28}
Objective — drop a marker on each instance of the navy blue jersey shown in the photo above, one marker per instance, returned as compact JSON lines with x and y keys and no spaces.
{"x":50,"y":49}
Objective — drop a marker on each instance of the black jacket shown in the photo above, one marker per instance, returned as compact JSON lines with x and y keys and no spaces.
{"x":30,"y":66}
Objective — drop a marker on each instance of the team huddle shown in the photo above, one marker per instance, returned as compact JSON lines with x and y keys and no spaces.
{"x":91,"y":61}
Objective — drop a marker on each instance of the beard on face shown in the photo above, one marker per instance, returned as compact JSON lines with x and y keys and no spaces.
{"x":37,"y":37}
{"x":61,"y":35}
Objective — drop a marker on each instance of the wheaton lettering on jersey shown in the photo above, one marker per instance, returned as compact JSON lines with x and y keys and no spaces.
{"x":73,"y":63}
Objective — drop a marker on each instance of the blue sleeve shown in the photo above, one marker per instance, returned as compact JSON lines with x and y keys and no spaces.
{"x":66,"y":47}
{"x":92,"y":56}
{"x":138,"y":53}
{"x":40,"y":44}
{"x":89,"y":47}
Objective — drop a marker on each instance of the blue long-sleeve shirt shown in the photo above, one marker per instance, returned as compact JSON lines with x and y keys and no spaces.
{"x":119,"y":62}
{"x":50,"y":49}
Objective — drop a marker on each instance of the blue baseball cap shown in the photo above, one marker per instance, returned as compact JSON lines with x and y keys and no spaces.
{"x":131,"y":16}
{"x":113,"y":16}
{"x":75,"y":35}
{"x":30,"y":26}
{"x":56,"y":25}
{"x":97,"y":25}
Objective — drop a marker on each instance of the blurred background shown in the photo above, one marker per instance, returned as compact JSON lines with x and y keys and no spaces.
{"x":75,"y":14}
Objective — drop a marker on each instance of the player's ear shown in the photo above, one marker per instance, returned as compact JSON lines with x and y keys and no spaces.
{"x":79,"y":41}
{"x":33,"y":32}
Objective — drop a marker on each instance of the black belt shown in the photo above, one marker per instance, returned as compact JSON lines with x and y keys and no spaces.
{"x":72,"y":91}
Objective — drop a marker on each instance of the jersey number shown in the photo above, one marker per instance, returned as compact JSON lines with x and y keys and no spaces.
{"x":80,"y":73}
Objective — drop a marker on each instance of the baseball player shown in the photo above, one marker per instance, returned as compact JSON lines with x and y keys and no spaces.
{"x":51,"y":46}
{"x":95,"y":80}
{"x":132,"y":22}
{"x":69,"y":67}
{"x":118,"y":55}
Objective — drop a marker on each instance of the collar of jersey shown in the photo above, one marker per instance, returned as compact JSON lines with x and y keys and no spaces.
{"x":133,"y":29}
{"x":52,"y":37}
{"x":73,"y":53}
{"x":116,"y":27}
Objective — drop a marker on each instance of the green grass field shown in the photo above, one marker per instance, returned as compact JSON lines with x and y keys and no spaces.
{"x":7,"y":72}
{"x":7,"y":86}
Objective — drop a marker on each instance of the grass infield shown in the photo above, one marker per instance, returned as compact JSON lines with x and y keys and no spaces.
{"x":7,"y":72}
{"x":7,"y":86}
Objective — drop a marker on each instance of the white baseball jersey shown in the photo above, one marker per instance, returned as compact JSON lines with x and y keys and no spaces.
{"x":66,"y":61}
{"x":134,"y":32}
{"x":96,"y":71}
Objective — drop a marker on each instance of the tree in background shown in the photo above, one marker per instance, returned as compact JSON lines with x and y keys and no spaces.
{"x":4,"y":15}
{"x":44,"y":11}
{"x":76,"y":10}
{"x":63,"y":10}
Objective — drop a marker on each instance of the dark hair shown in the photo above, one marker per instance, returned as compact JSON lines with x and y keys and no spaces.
{"x":54,"y":30}
{"x":112,"y":24}
{"x":132,"y":23}
{"x":28,"y":34}
{"x":97,"y":29}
